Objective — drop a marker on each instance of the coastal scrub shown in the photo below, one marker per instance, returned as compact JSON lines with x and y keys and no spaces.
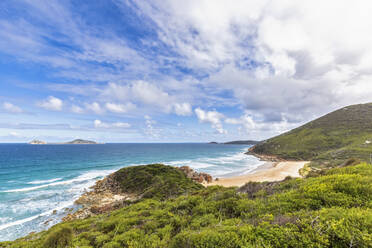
{"x":333,"y":209}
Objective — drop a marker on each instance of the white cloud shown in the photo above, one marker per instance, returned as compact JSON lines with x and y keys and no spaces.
{"x":52,"y":103}
{"x":282,"y":61}
{"x":148,"y":95}
{"x":120,"y":108}
{"x":76,"y":109}
{"x":150,"y":129}
{"x":11,"y":108}
{"x":95,"y":107}
{"x":182,"y":109}
{"x":212,"y":117}
{"x":14,"y":134}
{"x":113,"y":125}
{"x":245,"y":120}
{"x":279,"y":58}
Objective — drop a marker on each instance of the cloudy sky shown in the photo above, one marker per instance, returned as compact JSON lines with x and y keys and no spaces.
{"x":178,"y":71}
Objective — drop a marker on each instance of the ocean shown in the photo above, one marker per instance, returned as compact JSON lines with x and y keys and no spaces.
{"x":38,"y":182}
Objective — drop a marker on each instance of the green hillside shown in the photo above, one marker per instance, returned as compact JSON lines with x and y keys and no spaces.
{"x":339,"y":135}
{"x":333,"y":209}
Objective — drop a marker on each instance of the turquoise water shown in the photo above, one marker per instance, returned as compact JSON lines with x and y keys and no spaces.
{"x":36,"y":180}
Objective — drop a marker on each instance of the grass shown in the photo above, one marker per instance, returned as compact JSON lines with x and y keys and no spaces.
{"x":340,"y":135}
{"x":331,"y":209}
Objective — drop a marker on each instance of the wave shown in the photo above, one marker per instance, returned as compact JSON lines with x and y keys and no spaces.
{"x":44,"y":181}
{"x":18,"y":222}
{"x":22,"y":221}
{"x":239,"y":162}
{"x":84,"y":177}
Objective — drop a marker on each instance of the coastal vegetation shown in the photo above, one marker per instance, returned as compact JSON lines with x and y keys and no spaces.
{"x":154,"y":181}
{"x":331,"y":208}
{"x":337,"y":136}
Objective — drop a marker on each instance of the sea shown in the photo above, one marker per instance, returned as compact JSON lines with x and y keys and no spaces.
{"x":39,"y":183}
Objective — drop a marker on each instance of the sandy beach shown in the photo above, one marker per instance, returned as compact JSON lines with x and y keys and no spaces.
{"x":269,"y":171}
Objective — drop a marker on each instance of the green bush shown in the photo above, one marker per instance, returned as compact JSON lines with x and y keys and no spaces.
{"x":59,"y":237}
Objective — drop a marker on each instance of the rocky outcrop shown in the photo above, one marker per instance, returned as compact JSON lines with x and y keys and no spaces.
{"x":199,"y":177}
{"x":105,"y":196}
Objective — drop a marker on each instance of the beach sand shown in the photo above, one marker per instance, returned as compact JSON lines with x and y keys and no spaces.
{"x":269,"y":171}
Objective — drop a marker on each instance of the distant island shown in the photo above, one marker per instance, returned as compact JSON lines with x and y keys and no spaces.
{"x":237,"y":142}
{"x":37,"y":142}
{"x":75,"y":142}
{"x":81,"y":141}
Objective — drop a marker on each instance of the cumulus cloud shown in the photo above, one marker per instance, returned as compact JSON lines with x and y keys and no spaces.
{"x":288,"y":60}
{"x":182,"y":109}
{"x":77,"y":109}
{"x":212,"y":117}
{"x":11,"y":108}
{"x":280,"y":62}
{"x":113,"y":125}
{"x":150,"y":129}
{"x":245,"y":120}
{"x":146,"y":94}
{"x":94,"y":107}
{"x":120,"y":108}
{"x":52,"y":103}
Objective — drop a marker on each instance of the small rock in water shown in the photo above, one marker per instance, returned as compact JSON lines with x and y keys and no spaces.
{"x":47,"y":222}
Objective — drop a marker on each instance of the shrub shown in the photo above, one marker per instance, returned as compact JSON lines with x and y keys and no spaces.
{"x":59,"y":237}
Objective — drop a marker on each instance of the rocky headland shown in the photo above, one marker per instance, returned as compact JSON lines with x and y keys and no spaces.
{"x":111,"y":193}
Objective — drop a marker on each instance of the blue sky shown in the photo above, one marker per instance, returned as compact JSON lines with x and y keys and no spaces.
{"x":177,"y":71}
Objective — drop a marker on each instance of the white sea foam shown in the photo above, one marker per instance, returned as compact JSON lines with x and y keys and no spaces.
{"x":18,"y":222}
{"x":45,"y":181}
{"x":49,"y":212}
{"x":236,"y":163}
{"x":76,"y":191}
{"x":84,"y":177}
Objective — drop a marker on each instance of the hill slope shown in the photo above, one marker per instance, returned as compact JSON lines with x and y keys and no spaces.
{"x":342,"y":134}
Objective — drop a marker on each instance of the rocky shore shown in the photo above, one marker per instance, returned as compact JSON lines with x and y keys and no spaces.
{"x":199,"y":177}
{"x":107,"y":195}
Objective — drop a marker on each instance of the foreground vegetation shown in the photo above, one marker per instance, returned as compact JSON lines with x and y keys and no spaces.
{"x":329,"y":209}
{"x":339,"y":135}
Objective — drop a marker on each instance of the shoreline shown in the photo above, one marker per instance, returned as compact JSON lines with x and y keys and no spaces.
{"x":97,"y":199}
{"x":269,"y":171}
